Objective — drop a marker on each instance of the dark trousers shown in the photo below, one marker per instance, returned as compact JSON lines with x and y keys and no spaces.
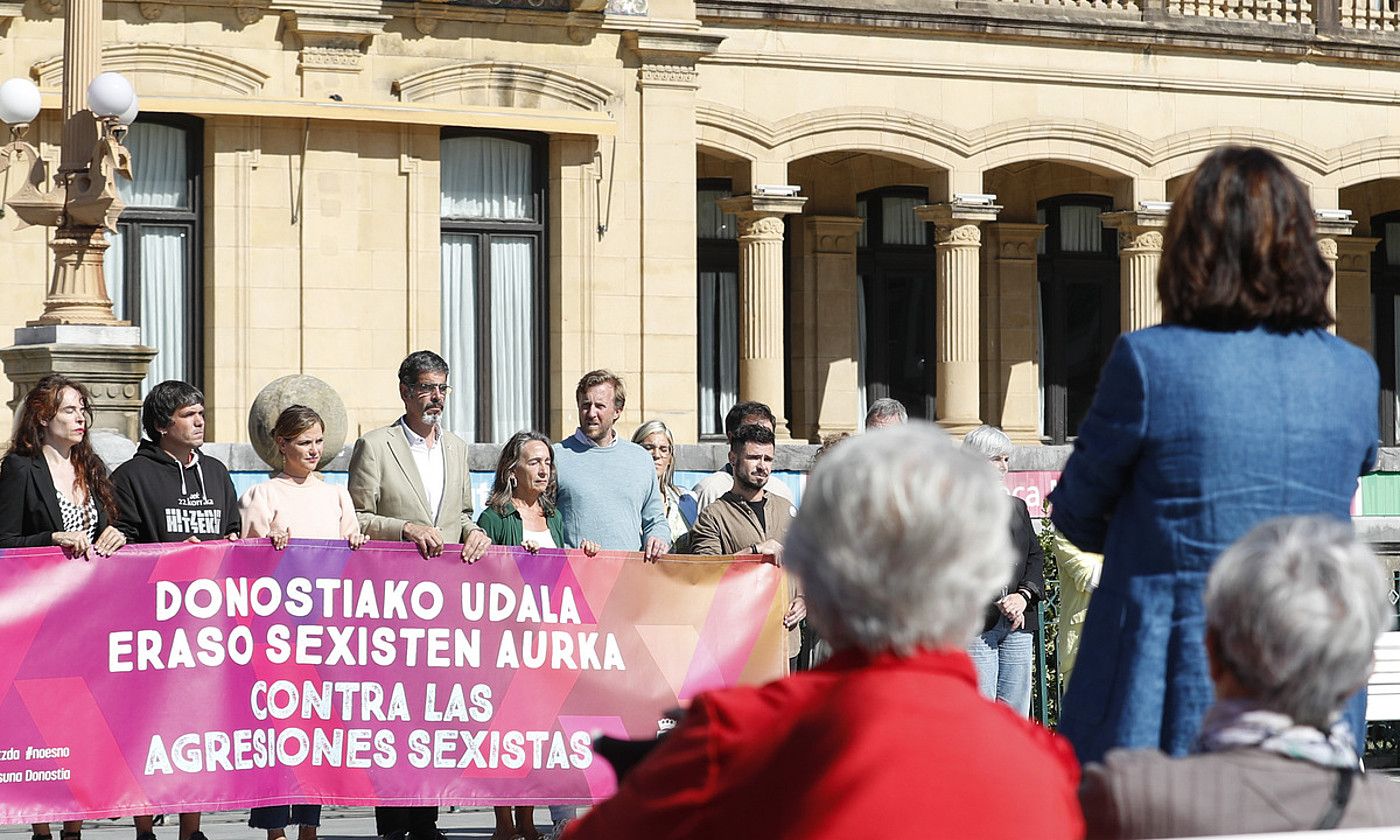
{"x":419,"y":821}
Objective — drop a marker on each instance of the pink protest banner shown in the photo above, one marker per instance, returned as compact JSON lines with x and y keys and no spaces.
{"x":227,"y":675}
{"x":1032,"y":487}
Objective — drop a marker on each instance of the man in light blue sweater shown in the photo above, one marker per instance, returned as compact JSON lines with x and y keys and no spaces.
{"x":607,"y":485}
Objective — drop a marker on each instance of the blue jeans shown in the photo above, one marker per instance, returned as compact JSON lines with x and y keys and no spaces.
{"x":1002,"y":657}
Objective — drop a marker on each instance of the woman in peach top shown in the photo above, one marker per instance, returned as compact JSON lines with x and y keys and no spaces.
{"x":297,"y":503}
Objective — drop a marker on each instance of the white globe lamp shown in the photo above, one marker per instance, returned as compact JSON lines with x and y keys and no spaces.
{"x":109,"y":95}
{"x":19,"y":102}
{"x":129,"y":115}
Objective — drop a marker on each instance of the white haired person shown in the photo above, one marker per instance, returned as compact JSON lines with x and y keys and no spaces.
{"x":1293,"y":611}
{"x":900,"y":543}
{"x":885,"y":412}
{"x":1003,"y":649}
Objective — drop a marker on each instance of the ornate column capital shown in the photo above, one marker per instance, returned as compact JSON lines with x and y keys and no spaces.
{"x":761,"y":216}
{"x":669,"y":58}
{"x":1141,"y":229}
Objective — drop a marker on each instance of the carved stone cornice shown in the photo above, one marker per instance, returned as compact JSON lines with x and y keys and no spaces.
{"x":669,"y":58}
{"x":956,"y":222}
{"x":1329,"y":228}
{"x":333,"y":36}
{"x":210,"y":68}
{"x":630,"y":8}
{"x":1014,"y":240}
{"x":9,"y":10}
{"x":755,"y":207}
{"x":833,"y":234}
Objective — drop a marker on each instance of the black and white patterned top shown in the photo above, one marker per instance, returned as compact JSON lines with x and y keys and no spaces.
{"x":81,"y":518}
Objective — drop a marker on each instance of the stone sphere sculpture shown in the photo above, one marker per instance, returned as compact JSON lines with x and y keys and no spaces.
{"x":296,"y":390}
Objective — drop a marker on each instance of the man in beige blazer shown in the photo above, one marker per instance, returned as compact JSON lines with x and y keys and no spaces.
{"x":409,"y":481}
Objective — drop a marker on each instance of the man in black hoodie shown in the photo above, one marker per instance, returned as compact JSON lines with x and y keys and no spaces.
{"x":170,"y":492}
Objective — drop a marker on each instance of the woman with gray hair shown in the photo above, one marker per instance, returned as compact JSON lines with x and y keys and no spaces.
{"x":1293,"y":611}
{"x":1003,"y":649}
{"x":900,"y":542}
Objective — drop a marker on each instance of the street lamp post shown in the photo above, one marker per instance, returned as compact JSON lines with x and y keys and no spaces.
{"x":77,"y":334}
{"x":83,"y":201}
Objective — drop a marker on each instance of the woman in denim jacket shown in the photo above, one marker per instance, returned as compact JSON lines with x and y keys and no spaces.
{"x":1239,"y":407}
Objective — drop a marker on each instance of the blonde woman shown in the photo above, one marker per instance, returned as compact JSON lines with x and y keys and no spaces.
{"x":681,"y":506}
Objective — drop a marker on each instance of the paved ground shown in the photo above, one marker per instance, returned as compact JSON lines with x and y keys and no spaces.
{"x":337,"y":823}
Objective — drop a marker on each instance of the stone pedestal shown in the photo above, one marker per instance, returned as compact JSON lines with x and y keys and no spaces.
{"x":761,"y":342}
{"x":958,"y":242}
{"x":1139,"y":256}
{"x":109,"y":361}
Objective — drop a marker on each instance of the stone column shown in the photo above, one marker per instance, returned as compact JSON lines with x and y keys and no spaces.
{"x":1353,"y":289}
{"x":761,"y":339}
{"x":1139,"y":256}
{"x":82,"y":61}
{"x":667,"y":81}
{"x":831,"y":286}
{"x":1330,"y":230}
{"x":958,"y":336}
{"x":1012,"y":312}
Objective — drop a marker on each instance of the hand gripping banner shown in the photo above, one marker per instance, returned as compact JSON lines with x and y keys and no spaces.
{"x":226,"y":675}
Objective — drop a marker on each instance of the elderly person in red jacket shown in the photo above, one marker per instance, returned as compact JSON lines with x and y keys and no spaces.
{"x":899,"y":550}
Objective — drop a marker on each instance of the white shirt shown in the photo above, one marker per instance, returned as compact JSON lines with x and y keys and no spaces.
{"x":432,"y":468}
{"x":543,"y":539}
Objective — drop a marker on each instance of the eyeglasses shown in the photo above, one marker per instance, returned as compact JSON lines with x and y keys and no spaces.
{"x":423,"y":389}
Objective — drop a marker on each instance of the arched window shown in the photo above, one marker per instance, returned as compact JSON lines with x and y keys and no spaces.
{"x":1385,"y":306}
{"x":153,"y":268}
{"x":494,"y":335}
{"x":1078,"y":272}
{"x":717,"y":295}
{"x":895,"y":266}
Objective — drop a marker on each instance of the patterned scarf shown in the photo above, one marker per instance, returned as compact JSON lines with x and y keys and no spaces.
{"x":1236,"y":724}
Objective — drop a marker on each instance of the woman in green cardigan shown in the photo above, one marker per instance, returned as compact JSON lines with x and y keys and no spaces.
{"x":520,"y":511}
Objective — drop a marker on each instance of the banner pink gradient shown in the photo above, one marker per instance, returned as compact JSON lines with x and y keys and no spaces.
{"x":321,"y":675}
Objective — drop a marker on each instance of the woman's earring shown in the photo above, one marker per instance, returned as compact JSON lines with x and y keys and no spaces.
{"x":510,"y":482}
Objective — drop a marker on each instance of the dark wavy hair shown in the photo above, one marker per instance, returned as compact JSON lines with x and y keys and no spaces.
{"x":510,"y":456}
{"x":1240,"y":248}
{"x":40,"y":406}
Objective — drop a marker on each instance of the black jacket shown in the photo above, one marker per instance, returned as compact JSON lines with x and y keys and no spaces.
{"x":29,"y":513}
{"x":160,"y":501}
{"x":1029,"y":572}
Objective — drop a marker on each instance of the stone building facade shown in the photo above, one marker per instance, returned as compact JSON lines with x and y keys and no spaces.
{"x":955,"y":203}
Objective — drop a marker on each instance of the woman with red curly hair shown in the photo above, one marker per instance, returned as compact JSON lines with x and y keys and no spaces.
{"x":54,"y":490}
